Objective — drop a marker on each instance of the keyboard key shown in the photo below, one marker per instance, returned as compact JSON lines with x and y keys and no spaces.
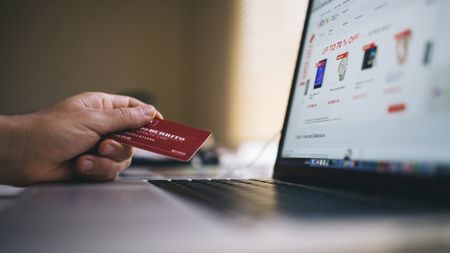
{"x":261,"y":198}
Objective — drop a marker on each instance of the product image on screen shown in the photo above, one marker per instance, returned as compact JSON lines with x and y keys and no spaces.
{"x":343,"y":63}
{"x":307,"y":86}
{"x":320,"y":73}
{"x":427,"y":53}
{"x":379,"y":97}
{"x":370,"y":54}
{"x":403,"y":39}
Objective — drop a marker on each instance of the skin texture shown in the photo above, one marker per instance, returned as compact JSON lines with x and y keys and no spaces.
{"x":66,"y":141}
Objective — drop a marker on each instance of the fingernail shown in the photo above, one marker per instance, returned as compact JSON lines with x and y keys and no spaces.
{"x":159,"y":115}
{"x":148,"y":110}
{"x":87,"y":165}
{"x":109,"y":150}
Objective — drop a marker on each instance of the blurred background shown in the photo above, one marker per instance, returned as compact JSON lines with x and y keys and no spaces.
{"x":223,"y":65}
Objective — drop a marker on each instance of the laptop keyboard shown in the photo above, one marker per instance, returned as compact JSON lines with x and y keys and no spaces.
{"x":266,"y":197}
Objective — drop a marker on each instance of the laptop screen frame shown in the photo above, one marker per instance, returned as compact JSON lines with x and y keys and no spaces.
{"x":291,"y":170}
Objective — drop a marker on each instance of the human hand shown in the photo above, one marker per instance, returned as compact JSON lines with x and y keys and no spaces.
{"x":64,"y":142}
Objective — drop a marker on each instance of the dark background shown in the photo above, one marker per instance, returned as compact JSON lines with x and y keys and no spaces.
{"x":184,"y":52}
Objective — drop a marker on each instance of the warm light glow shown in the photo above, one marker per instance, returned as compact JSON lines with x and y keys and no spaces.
{"x":264,"y":49}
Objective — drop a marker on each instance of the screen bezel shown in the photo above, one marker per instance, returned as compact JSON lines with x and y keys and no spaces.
{"x":286,"y":169}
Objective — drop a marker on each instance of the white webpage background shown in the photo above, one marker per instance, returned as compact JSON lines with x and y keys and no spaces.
{"x":419,"y":133}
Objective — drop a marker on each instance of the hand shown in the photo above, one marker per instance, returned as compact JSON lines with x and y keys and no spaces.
{"x":64,"y":142}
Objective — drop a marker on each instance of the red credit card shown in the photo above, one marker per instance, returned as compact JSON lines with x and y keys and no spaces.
{"x":165,"y":138}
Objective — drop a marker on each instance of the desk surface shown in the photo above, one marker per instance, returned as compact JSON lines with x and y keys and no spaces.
{"x":8,"y":194}
{"x":137,"y":219}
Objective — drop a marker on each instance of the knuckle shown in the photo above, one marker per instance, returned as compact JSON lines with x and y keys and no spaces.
{"x":87,"y":94}
{"x":125,"y":114}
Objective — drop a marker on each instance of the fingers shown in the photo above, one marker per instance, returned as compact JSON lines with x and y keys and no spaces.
{"x":114,"y":150}
{"x":119,"y":101}
{"x":159,"y":115}
{"x":114,"y":158}
{"x":99,"y":168}
{"x":115,"y":112}
{"x":100,"y":100}
{"x":113,"y":120}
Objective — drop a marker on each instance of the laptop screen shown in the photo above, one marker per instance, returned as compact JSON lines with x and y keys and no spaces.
{"x":372,"y":90}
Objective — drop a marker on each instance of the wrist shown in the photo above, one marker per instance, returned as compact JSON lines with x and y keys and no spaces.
{"x":13,"y":139}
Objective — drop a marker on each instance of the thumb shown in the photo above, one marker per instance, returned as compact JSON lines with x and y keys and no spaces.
{"x":125,"y":118}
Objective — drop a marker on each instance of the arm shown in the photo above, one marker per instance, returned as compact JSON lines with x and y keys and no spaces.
{"x":11,"y":146}
{"x":64,"y":142}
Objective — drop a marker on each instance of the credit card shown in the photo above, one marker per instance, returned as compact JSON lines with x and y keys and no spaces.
{"x":166,"y":138}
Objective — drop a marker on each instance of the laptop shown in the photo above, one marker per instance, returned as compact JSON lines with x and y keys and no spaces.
{"x":363,"y":163}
